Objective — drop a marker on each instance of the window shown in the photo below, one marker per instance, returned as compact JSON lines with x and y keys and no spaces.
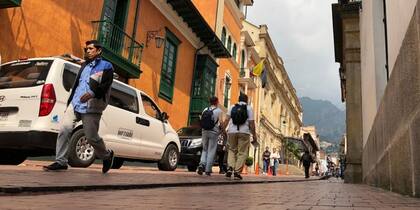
{"x":238,"y":3}
{"x":234,"y":51}
{"x":124,"y":98}
{"x":167,"y":76}
{"x":223,"y":36}
{"x":229,"y":45}
{"x":150,"y":107}
{"x":69,"y":75}
{"x":24,"y":73}
{"x":226,"y":96}
{"x":242,"y":59}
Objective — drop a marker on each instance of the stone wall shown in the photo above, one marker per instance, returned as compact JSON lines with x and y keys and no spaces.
{"x":391,"y":156}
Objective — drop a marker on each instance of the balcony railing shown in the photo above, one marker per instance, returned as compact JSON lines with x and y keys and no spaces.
{"x":127,"y":51}
{"x":245,"y":76}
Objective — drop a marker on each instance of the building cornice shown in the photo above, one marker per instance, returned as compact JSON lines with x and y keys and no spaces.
{"x":264,"y":121}
{"x":283,"y":92}
{"x":275,"y":57}
{"x":172,"y":16}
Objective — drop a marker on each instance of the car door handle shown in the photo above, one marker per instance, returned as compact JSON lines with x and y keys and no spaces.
{"x":142,"y":121}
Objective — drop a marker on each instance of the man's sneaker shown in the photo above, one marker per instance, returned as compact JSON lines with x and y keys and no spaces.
{"x":237,"y":176}
{"x":55,"y":167}
{"x":107,"y":163}
{"x":200,"y":170}
{"x":229,"y":172}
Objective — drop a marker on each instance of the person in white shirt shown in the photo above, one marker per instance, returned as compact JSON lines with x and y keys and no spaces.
{"x":274,"y":161}
{"x":241,"y":124}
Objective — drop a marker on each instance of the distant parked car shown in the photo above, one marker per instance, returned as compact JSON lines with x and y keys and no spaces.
{"x":191,"y":147}
{"x":33,"y":96}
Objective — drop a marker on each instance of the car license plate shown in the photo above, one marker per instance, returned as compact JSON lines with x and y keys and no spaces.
{"x":3,"y":116}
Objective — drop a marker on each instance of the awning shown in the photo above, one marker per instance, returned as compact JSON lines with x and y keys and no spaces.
{"x":191,"y":15}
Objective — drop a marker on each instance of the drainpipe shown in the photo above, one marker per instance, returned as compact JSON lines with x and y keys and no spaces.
{"x":386,"y":42}
{"x":134,"y":33}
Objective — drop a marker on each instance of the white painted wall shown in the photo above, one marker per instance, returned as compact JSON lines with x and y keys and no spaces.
{"x":399,"y":14}
{"x":373,"y":57}
{"x":372,"y":43}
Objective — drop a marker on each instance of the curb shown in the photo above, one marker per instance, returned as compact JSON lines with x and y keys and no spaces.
{"x":7,"y":191}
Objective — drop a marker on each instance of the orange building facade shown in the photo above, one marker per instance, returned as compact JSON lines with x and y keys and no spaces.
{"x":130,"y":31}
{"x":227,"y":22}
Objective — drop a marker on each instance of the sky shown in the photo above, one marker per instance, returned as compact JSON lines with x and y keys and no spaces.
{"x":302,"y":33}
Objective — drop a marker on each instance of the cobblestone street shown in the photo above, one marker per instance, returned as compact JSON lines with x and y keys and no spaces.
{"x":302,"y":195}
{"x":156,"y":191}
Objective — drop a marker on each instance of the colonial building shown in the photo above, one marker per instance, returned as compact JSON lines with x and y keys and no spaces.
{"x":377,"y":46}
{"x":278,"y":108}
{"x":226,"y":17}
{"x":160,"y":47}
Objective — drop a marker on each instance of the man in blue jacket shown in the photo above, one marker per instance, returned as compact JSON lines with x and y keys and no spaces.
{"x":88,"y":99}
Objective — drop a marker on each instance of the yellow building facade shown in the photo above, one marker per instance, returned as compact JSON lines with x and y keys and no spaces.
{"x":279,"y":110}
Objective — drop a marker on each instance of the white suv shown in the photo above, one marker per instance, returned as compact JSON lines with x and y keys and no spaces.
{"x":33,"y":96}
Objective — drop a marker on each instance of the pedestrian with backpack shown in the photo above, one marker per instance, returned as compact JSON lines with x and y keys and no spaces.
{"x":240,"y":123}
{"x":306,"y":161}
{"x":210,"y":124}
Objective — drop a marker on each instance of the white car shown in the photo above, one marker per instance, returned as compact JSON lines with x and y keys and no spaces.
{"x":33,"y":96}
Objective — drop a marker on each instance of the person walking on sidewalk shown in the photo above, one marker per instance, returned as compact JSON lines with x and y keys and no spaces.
{"x":274,"y":161}
{"x":306,"y":161}
{"x":88,"y":99}
{"x":266,"y":160}
{"x":210,"y":124}
{"x":240,"y":119}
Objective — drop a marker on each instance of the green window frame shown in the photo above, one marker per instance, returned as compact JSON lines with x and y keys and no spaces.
{"x":229,"y":45}
{"x":226,"y":94}
{"x":223,"y":38}
{"x":168,"y":70}
{"x":234,"y":51}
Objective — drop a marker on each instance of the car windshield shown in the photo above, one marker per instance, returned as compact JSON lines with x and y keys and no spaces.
{"x":24,"y":73}
{"x":189,"y":131}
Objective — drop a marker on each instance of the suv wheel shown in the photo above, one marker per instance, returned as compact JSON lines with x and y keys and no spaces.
{"x":117,"y":163}
{"x":170,"y":159}
{"x":192,"y":168}
{"x":10,"y":157}
{"x":81,"y":153}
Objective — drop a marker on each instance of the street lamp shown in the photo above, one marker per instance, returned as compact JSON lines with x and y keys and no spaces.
{"x":159,"y":40}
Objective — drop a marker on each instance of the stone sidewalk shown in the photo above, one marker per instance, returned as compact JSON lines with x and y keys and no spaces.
{"x":30,"y":178}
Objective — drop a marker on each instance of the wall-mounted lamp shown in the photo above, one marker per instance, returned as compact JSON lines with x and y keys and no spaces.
{"x":154,"y":35}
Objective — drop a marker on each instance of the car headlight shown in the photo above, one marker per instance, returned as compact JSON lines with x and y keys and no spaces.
{"x":196,"y":143}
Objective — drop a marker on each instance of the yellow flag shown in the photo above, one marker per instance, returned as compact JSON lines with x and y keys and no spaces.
{"x":257,"y":70}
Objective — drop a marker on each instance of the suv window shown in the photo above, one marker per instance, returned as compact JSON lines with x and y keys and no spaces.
{"x":189,"y":131}
{"x":150,"y":107}
{"x":124,"y":98}
{"x":69,"y":75}
{"x":24,"y":73}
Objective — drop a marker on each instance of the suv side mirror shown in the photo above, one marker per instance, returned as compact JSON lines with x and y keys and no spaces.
{"x":164,"y":116}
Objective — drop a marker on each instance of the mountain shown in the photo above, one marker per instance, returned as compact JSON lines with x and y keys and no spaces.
{"x":328,"y":119}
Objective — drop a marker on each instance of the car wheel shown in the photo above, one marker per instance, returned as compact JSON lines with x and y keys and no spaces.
{"x":170,"y":159}
{"x":117,"y":163}
{"x":81,"y":153}
{"x":192,"y":168}
{"x":8,"y":157}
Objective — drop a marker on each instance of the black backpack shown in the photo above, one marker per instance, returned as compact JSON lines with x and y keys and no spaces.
{"x":207,"y":122}
{"x":239,"y":114}
{"x":307,"y":158}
